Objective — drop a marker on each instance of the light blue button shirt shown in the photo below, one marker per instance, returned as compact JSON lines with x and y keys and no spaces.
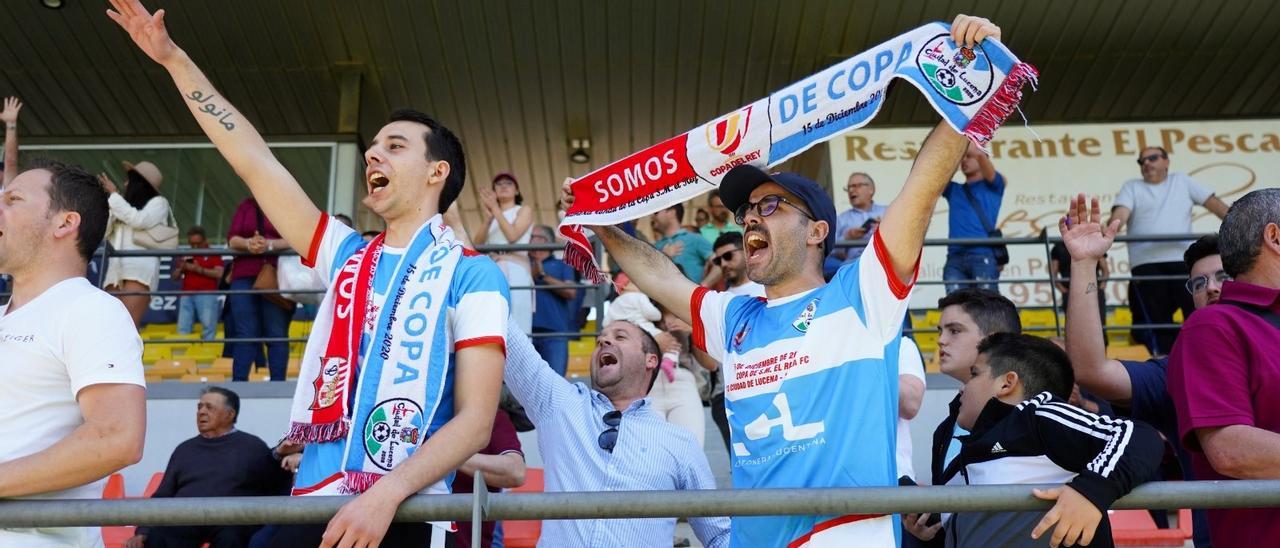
{"x":651,"y":454}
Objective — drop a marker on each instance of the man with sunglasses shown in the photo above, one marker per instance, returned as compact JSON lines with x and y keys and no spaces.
{"x":607,"y":437}
{"x":1138,"y":386}
{"x":812,"y":371}
{"x":1159,"y":203}
{"x":728,"y":256}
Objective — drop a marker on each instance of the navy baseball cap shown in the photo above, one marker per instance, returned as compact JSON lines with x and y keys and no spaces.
{"x":739,"y":182}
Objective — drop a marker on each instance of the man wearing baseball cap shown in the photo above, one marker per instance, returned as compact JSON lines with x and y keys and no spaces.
{"x":811,"y":372}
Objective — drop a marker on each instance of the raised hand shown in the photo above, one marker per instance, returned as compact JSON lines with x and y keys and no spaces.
{"x":107,"y":183}
{"x":146,"y":30}
{"x":10,"y":113}
{"x":1082,"y":230}
{"x":967,"y":30}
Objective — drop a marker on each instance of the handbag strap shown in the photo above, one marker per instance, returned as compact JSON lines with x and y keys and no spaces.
{"x":977,"y":208}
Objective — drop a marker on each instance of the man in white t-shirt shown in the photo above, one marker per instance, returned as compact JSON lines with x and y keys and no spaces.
{"x":911,"y":385}
{"x":1160,"y":203}
{"x":73,"y":401}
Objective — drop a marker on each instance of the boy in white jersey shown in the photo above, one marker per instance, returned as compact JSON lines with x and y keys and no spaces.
{"x":811,"y":397}
{"x":73,"y":405}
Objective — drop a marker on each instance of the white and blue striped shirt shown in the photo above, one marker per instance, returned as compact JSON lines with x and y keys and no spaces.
{"x":651,"y":454}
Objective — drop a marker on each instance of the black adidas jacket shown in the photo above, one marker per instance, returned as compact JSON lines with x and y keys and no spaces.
{"x":1046,"y":440}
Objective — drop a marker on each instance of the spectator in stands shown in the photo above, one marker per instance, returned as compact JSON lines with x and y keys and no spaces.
{"x":862,"y":217}
{"x":507,"y":221}
{"x":718,"y":222}
{"x":732,"y":262}
{"x":678,"y":398}
{"x":1014,"y":404}
{"x":220,"y":461}
{"x":12,"y":105}
{"x":975,"y":212}
{"x":369,"y":235}
{"x":553,"y":311}
{"x":502,"y":463}
{"x":689,"y":252}
{"x":416,"y":168}
{"x":1224,"y":371}
{"x":911,"y":386}
{"x":968,"y":315}
{"x":608,"y":438}
{"x":73,"y":403}
{"x":701,"y":217}
{"x":341,"y":218}
{"x":1159,"y":203}
{"x":198,"y":273}
{"x":633,"y":306}
{"x":257,"y":316}
{"x":139,"y":209}
{"x":1138,"y":386}
{"x":9,"y":165}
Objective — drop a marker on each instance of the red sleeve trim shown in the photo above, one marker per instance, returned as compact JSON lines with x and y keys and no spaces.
{"x":481,"y":341}
{"x":468,"y":252}
{"x":309,"y":260}
{"x":695,"y":313}
{"x":831,"y":523}
{"x":899,"y":289}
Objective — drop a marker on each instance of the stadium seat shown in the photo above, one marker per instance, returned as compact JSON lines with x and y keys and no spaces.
{"x":294,"y":367}
{"x":579,"y":366}
{"x":524,"y":534}
{"x":1128,"y":352}
{"x":203,"y":378}
{"x":152,"y":485}
{"x":220,"y":366}
{"x":153,"y":378}
{"x":1136,"y":528}
{"x":114,"y":489}
{"x":173,"y":369}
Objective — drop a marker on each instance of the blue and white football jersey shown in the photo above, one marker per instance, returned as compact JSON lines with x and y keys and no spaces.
{"x":811,"y":390}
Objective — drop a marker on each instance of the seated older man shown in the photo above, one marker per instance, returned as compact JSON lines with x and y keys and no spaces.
{"x":609,"y":438}
{"x":219,"y":462}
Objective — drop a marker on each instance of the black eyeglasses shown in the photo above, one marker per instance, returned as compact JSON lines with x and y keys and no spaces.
{"x":1201,"y":282}
{"x":765,"y":207}
{"x":728,"y":255}
{"x":609,"y":438}
{"x":1151,"y":158}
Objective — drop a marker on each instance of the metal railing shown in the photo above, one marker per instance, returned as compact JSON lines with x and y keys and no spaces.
{"x":625,"y":504}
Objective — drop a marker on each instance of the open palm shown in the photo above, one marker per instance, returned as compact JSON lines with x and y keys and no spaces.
{"x":1083,"y":232}
{"x":10,"y":113}
{"x":146,"y":30}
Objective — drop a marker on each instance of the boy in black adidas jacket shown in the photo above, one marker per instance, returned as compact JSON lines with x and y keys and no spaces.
{"x":1023,"y":431}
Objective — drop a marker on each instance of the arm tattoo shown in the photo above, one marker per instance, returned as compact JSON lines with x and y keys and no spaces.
{"x":212,"y":108}
{"x":1091,"y":288}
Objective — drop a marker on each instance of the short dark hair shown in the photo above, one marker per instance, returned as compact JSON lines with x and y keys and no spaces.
{"x":679,"y":212}
{"x":993,"y":312}
{"x":442,"y":145}
{"x":727,"y":238}
{"x":370,"y":233}
{"x":71,"y":188}
{"x":1041,"y":366}
{"x":196,"y":230}
{"x":1207,"y":245}
{"x":715,"y":193}
{"x":1163,"y":152}
{"x":233,"y":399}
{"x":1243,"y":228}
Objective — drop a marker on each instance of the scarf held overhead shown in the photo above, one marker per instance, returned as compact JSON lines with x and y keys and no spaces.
{"x":381,"y":402}
{"x":975,"y":90}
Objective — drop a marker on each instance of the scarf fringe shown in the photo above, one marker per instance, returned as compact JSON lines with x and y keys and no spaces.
{"x":303,"y":432}
{"x":354,"y":483}
{"x":582,"y":261}
{"x":982,"y":127}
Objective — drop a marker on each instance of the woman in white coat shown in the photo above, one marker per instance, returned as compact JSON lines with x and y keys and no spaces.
{"x":507,"y":221}
{"x":139,"y":208}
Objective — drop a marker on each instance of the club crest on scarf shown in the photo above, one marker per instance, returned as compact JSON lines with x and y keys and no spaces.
{"x":392,"y":432}
{"x":333,"y":375}
{"x":962,"y":75}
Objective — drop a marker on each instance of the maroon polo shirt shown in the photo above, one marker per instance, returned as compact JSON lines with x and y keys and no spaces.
{"x":1224,"y":371}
